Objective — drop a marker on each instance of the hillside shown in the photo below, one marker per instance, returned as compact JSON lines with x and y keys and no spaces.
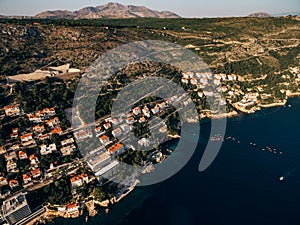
{"x":246,"y":46}
{"x":109,"y":10}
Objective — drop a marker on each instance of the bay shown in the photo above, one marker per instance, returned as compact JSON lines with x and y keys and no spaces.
{"x":241,"y":186}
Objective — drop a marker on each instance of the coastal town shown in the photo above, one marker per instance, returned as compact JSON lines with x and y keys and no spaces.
{"x":45,"y":174}
{"x":38,"y":152}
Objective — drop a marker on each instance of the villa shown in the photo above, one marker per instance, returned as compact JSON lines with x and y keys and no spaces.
{"x":12,"y":110}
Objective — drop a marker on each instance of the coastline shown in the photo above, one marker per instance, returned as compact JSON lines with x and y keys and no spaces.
{"x":50,"y":215}
{"x":273,"y":104}
{"x":292,"y":94}
{"x":222,"y":115}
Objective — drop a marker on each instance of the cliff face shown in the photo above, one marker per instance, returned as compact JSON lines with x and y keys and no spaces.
{"x":109,"y":10}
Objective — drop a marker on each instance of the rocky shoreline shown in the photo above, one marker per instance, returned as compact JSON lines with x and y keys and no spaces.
{"x":50,"y":215}
{"x":89,"y":206}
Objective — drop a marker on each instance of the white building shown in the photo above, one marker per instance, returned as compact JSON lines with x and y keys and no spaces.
{"x":45,"y":150}
{"x":116,"y":132}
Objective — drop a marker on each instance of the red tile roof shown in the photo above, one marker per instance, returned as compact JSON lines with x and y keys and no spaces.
{"x":115,"y":147}
{"x":103,"y":137}
{"x":78,"y":177}
{"x":70,"y":206}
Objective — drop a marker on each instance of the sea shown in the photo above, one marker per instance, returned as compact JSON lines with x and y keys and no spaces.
{"x":241,"y":186}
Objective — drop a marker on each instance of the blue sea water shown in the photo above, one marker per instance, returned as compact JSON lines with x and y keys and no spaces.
{"x":241,"y":186}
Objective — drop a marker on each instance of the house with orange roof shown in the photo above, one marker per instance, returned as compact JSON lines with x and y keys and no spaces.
{"x":200,"y":94}
{"x":99,"y":131}
{"x":32,"y":117}
{"x":49,"y":111}
{"x":116,"y":149}
{"x":26,"y":178}
{"x":142,"y":120}
{"x":82,"y":134}
{"x":224,"y":88}
{"x":27,"y":139}
{"x":38,"y":128}
{"x":13,"y":183}
{"x":194,"y":81}
{"x":104,"y":139}
{"x":72,"y":208}
{"x":43,"y":136}
{"x":79,"y":180}
{"x":22,"y":155}
{"x":14,"y":133}
{"x":188,"y":74}
{"x":53,"y":122}
{"x":130,"y":120}
{"x":155,"y":109}
{"x":185,"y":80}
{"x":56,"y":130}
{"x":12,"y":110}
{"x":116,"y":132}
{"x":33,"y":160}
{"x":11,"y":165}
{"x":36,"y":173}
{"x":232,"y":77}
{"x":163,"y":129}
{"x":3,"y":181}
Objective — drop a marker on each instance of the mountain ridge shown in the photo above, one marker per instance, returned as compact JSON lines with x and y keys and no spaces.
{"x":260,"y":15}
{"x":109,"y":10}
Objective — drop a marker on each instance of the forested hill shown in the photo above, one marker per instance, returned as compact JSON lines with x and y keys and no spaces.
{"x":245,"y":46}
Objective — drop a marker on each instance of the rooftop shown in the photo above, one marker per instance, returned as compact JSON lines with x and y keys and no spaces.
{"x":78,"y":177}
{"x":107,"y":168}
{"x":115,"y":147}
{"x":99,"y":158}
{"x":14,"y":203}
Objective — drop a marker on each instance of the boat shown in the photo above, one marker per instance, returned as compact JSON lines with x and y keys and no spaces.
{"x":281,"y":178}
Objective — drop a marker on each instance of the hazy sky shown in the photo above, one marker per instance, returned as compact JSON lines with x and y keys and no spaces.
{"x":185,"y":8}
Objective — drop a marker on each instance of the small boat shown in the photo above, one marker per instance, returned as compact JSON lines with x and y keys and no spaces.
{"x":281,"y":178}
